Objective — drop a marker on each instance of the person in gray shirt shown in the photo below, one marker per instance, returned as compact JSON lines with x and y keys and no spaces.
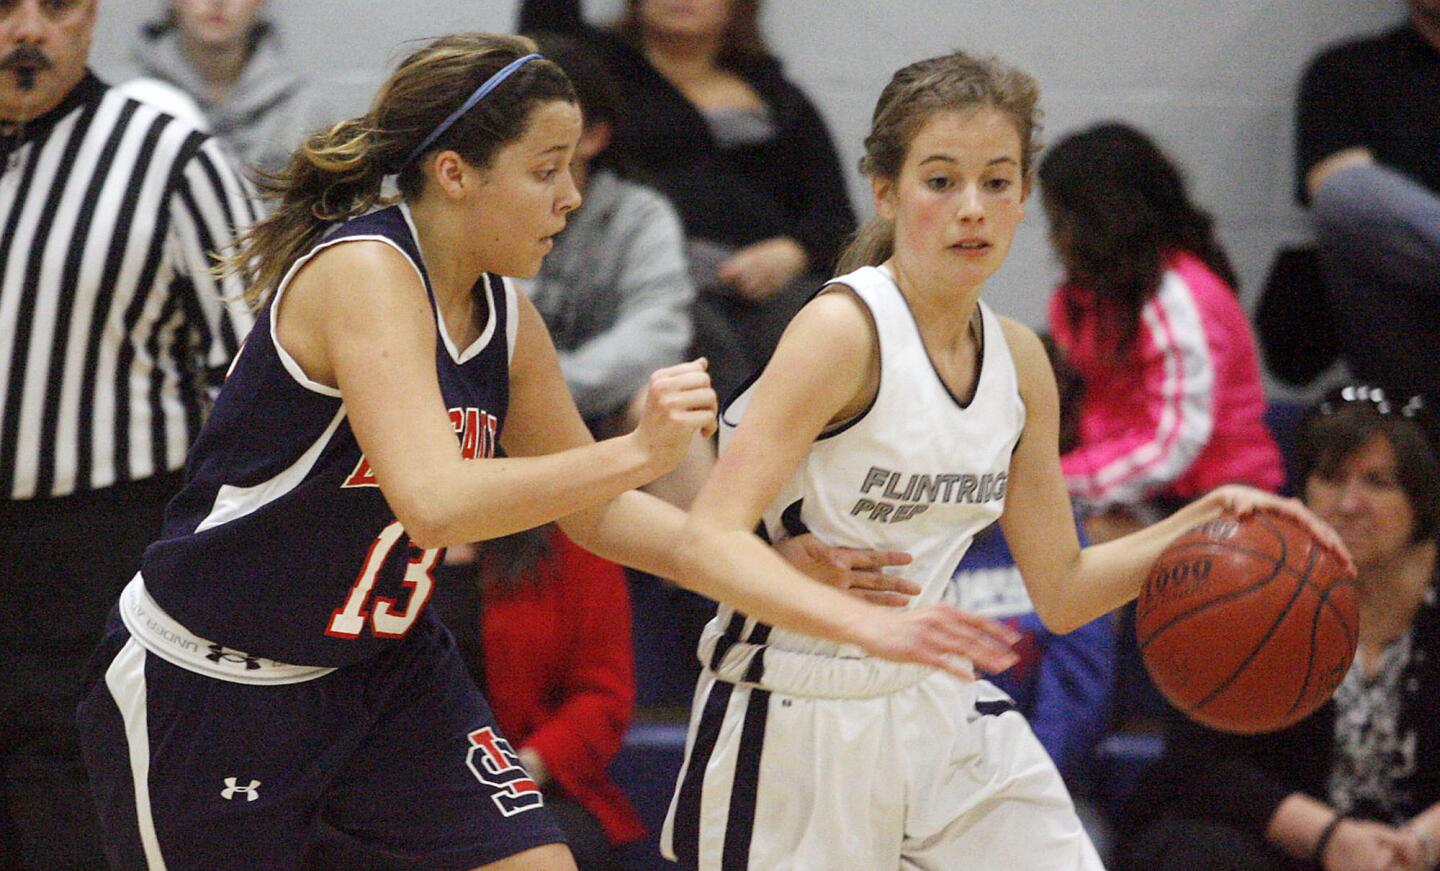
{"x":227,"y":57}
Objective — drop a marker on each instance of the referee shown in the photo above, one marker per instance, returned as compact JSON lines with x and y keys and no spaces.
{"x":111,"y":328}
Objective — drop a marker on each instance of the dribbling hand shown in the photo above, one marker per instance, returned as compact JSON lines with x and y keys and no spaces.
{"x":942,"y":636}
{"x":678,"y":404}
{"x":1241,"y":500}
{"x":857,"y":570}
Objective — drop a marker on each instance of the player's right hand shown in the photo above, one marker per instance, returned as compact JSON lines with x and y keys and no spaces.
{"x":678,"y":403}
{"x":942,"y":636}
{"x":859,"y":570}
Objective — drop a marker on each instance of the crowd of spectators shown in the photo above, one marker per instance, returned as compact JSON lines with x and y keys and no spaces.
{"x":715,"y":204}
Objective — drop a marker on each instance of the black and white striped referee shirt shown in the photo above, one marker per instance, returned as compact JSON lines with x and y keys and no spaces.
{"x":110,"y":321}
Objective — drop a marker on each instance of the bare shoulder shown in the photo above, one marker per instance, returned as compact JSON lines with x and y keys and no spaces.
{"x":1031,"y":361}
{"x":838,"y":321}
{"x":358,"y":269}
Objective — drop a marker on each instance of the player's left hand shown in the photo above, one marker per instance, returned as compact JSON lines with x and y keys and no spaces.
{"x":858,"y":570}
{"x":758,"y":271}
{"x":1241,"y":500}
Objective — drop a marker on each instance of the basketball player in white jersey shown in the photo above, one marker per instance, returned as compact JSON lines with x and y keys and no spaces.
{"x":900,"y":413}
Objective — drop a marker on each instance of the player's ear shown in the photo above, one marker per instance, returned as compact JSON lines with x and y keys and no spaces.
{"x":883,"y":190}
{"x":451,"y":173}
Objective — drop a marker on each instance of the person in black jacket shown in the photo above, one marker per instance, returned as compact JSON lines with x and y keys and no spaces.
{"x":744,"y":156}
{"x":1356,"y":785}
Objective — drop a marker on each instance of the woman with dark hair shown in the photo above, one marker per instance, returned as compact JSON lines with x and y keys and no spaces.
{"x":1149,"y":317}
{"x":1356,"y":785}
{"x":712,"y":121}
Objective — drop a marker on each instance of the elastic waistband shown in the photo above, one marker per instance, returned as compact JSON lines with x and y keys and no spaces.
{"x":806,"y":674}
{"x":162,"y":635}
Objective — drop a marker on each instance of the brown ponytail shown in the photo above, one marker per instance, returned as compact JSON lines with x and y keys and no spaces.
{"x":949,"y":83}
{"x":337,"y":173}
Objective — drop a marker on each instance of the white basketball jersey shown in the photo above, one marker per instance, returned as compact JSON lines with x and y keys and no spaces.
{"x":918,"y":471}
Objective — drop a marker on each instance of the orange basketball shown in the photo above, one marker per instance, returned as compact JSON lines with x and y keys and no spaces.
{"x":1247,"y":624}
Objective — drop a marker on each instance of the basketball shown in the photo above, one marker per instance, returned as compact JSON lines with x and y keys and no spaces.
{"x":1247,"y":624}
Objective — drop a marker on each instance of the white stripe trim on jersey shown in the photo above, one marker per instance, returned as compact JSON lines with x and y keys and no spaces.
{"x":125,"y":678}
{"x":292,"y":367}
{"x":475,"y":347}
{"x":512,"y":318}
{"x":164,"y":636}
{"x":232,"y":502}
{"x":1174,"y":323}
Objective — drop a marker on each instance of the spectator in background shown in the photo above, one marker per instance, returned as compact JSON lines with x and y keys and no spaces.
{"x":1148,"y":316}
{"x":1368,"y":142}
{"x":1356,"y":785}
{"x":615,"y":292}
{"x":552,"y":655}
{"x":226,"y":56}
{"x":741,"y":152}
{"x":113,"y":326}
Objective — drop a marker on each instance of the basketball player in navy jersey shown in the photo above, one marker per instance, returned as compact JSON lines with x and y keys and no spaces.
{"x":271,"y":692}
{"x":900,"y":413}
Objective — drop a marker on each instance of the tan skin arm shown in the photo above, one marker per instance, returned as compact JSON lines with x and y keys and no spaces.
{"x":357,"y":318}
{"x":1070,"y":586}
{"x":821,"y":369}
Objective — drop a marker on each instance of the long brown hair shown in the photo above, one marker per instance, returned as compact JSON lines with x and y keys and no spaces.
{"x":951,"y":82}
{"x":1120,"y":210}
{"x":742,"y":46}
{"x":337,"y":173}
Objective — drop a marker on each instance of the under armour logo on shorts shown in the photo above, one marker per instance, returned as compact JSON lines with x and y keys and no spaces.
{"x":251,"y":792}
{"x":218,"y":653}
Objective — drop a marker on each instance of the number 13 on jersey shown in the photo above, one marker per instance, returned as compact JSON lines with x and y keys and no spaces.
{"x":385,"y":621}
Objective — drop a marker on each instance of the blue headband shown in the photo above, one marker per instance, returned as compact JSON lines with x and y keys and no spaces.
{"x":490,"y":84}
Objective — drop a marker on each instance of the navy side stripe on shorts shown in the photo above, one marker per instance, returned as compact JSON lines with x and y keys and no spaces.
{"x":686,"y":834}
{"x":740,"y":825}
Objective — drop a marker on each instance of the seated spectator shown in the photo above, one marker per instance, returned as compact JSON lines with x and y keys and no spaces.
{"x":1356,"y":785}
{"x":1368,"y":143}
{"x":227,"y":58}
{"x":1148,"y":316}
{"x":553,"y":657}
{"x":615,"y":292}
{"x":739,"y":150}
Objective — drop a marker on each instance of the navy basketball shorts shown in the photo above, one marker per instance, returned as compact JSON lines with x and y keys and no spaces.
{"x":394,"y":762}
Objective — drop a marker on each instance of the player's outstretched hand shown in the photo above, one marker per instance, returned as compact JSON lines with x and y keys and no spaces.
{"x":1241,"y":500}
{"x":678,"y":404}
{"x":855,"y":569}
{"x":943,"y":636}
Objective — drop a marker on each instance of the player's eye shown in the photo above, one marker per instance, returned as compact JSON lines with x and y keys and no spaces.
{"x":938,"y":183}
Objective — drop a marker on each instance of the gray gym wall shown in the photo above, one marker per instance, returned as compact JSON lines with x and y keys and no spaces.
{"x":1212,"y":80}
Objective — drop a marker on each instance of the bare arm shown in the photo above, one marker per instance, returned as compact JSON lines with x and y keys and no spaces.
{"x":821,"y":366}
{"x":1069,"y":586}
{"x":357,"y":318}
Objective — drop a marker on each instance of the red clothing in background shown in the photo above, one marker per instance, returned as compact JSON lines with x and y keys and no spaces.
{"x":561,"y":676}
{"x":1183,"y":412}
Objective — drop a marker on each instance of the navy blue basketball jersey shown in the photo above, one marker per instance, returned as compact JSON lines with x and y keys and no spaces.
{"x":281,"y":544}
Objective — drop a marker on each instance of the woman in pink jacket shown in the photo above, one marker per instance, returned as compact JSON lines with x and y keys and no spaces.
{"x":1148,"y":316}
